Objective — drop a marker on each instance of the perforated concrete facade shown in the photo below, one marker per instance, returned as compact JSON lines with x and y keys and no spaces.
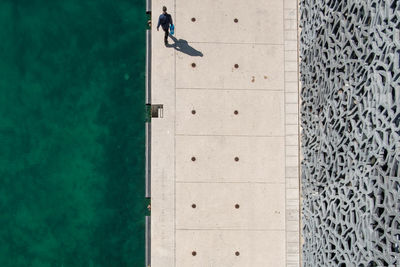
{"x":351,"y":137}
{"x":225,"y":155}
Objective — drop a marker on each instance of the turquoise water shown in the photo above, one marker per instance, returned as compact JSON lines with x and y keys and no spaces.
{"x":72,"y":133}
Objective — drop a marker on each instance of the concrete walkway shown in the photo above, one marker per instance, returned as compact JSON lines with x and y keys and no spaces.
{"x":225,"y":179}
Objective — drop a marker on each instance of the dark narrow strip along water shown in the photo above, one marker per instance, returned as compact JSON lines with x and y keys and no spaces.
{"x":72,"y":133}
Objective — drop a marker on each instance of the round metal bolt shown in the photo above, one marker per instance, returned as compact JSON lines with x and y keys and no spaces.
{"x":193,"y":19}
{"x":236,"y":112}
{"x":194,"y":253}
{"x":193,"y":112}
{"x":193,"y":158}
{"x":236,"y":66}
{"x":237,"y":253}
{"x":193,"y":65}
{"x":237,"y":206}
{"x":236,"y":20}
{"x":194,"y":206}
{"x":236,"y":158}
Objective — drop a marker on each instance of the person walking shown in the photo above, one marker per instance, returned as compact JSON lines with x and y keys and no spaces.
{"x":165,"y":20}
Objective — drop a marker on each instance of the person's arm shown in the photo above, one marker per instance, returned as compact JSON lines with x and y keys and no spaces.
{"x":159,"y":22}
{"x":170,"y":17}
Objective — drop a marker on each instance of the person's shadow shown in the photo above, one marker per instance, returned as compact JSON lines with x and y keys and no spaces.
{"x":184,"y":47}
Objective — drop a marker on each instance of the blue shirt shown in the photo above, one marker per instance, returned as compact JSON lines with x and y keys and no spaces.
{"x":164,"y":20}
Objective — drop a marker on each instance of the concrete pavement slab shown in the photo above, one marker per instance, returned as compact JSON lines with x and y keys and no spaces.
{"x":259,"y":113}
{"x":215,"y":21}
{"x":260,"y":206}
{"x":257,"y":67}
{"x":230,"y":159}
{"x":221,"y":248}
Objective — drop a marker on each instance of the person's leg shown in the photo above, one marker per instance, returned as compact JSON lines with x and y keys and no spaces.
{"x":166,"y":36}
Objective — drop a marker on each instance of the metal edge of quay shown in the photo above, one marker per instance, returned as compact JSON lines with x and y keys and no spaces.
{"x":148,"y":66}
{"x":148,"y":103}
{"x":148,"y":160}
{"x":148,"y":241}
{"x":148,"y":6}
{"x":148,"y":140}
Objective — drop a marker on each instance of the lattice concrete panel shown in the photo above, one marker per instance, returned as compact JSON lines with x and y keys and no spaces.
{"x":350,"y":116}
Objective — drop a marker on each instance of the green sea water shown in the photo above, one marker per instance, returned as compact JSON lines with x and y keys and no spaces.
{"x":72,"y":133}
